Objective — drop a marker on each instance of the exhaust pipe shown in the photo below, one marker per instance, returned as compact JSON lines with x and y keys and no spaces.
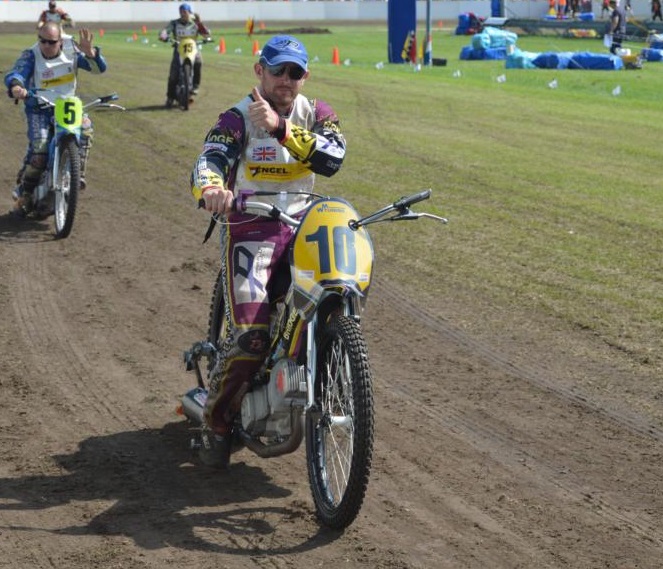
{"x":193,"y":403}
{"x":291,"y":444}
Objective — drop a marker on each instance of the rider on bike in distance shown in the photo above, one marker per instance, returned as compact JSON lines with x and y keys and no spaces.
{"x":187,"y":25}
{"x":55,"y":14}
{"x":50,"y":64}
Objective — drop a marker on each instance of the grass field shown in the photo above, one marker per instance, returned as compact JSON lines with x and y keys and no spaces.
{"x":553,"y":195}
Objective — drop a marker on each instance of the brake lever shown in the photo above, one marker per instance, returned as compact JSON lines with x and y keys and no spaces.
{"x":411,"y":215}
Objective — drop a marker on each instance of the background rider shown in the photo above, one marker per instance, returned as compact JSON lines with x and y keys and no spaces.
{"x":55,"y":14}
{"x":187,"y":25}
{"x":50,"y":64}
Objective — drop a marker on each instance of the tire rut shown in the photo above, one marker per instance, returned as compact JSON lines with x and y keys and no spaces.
{"x":515,"y":449}
{"x":529,"y":374}
{"x":52,"y":347}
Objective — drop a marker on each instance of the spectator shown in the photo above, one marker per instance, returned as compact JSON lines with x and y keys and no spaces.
{"x":617,"y":26}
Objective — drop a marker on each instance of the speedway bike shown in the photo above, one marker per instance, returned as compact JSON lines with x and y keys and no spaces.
{"x":60,"y":184}
{"x":315,"y":383}
{"x":187,"y":50}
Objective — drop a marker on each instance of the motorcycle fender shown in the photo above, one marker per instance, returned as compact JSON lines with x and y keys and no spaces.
{"x":327,"y":255}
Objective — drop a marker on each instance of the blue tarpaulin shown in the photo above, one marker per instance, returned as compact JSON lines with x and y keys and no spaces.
{"x":579,"y":60}
{"x":652,"y":54}
{"x":468,"y":52}
{"x":493,"y":37}
{"x":520,"y":59}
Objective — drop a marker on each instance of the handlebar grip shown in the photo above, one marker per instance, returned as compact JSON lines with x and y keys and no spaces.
{"x":235,"y":205}
{"x":414,"y":198}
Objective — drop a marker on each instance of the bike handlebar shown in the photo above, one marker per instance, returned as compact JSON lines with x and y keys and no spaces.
{"x":413,"y":199}
{"x":104,"y":101}
{"x":241,"y":204}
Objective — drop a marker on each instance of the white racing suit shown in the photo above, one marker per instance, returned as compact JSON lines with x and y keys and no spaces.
{"x":57,"y":77}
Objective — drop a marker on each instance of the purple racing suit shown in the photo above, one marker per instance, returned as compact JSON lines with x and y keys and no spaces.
{"x":254,"y":249}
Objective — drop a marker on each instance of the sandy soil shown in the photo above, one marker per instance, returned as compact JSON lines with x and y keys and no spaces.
{"x":493,"y":450}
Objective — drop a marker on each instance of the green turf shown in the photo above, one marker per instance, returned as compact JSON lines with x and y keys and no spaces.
{"x":554,"y":195}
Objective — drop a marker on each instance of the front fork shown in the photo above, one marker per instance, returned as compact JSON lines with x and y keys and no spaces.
{"x":54,"y":153}
{"x":350,"y":307}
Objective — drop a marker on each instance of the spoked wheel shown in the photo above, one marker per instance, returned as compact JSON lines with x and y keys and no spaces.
{"x":218,"y":322}
{"x":339,"y":427}
{"x":67,"y":185}
{"x":186,"y":86}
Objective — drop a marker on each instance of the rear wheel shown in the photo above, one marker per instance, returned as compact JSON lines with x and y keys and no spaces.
{"x":217,"y":315}
{"x":339,"y":427}
{"x":216,"y":335}
{"x":66,"y":187}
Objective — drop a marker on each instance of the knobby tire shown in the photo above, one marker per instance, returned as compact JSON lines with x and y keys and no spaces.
{"x":68,"y":179}
{"x":187,"y":81}
{"x":338,"y":475}
{"x":217,"y":320}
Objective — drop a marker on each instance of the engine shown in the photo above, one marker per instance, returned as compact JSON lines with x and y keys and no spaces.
{"x":266,"y":411}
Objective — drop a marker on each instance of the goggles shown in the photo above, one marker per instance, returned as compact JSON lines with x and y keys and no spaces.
{"x":49,"y":42}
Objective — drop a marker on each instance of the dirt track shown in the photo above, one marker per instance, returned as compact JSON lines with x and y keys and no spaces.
{"x":492,"y":449}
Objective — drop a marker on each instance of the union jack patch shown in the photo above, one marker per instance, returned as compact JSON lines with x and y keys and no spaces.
{"x":263,"y":154}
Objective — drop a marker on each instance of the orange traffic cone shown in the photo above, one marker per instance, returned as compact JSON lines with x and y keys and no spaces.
{"x":336,"y":59}
{"x":144,"y":29}
{"x":222,"y":45}
{"x":135,"y":37}
{"x":101,"y":32}
{"x":256,"y":47}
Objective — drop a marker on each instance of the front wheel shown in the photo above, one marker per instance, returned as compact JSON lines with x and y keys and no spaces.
{"x":66,"y":187}
{"x":339,"y":427}
{"x":186,"y":86}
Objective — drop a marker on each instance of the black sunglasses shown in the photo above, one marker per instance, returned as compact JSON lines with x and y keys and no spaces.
{"x":49,"y":42}
{"x":294,"y":71}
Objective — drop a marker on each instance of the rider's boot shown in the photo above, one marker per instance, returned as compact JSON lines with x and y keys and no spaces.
{"x":19,"y":201}
{"x":22,"y":201}
{"x":214,"y":450}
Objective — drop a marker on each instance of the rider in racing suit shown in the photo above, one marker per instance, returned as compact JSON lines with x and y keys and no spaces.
{"x":50,"y":64}
{"x":188,"y":25}
{"x":55,"y":14}
{"x":274,"y":139}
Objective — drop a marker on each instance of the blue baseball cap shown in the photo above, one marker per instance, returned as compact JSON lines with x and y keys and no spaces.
{"x":186,"y":7}
{"x":284,"y":49}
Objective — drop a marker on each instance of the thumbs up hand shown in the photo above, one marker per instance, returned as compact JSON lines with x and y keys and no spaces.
{"x":261,"y":113}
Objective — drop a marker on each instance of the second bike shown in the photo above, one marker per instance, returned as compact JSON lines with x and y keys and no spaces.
{"x":187,"y":51}
{"x":57,"y":192}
